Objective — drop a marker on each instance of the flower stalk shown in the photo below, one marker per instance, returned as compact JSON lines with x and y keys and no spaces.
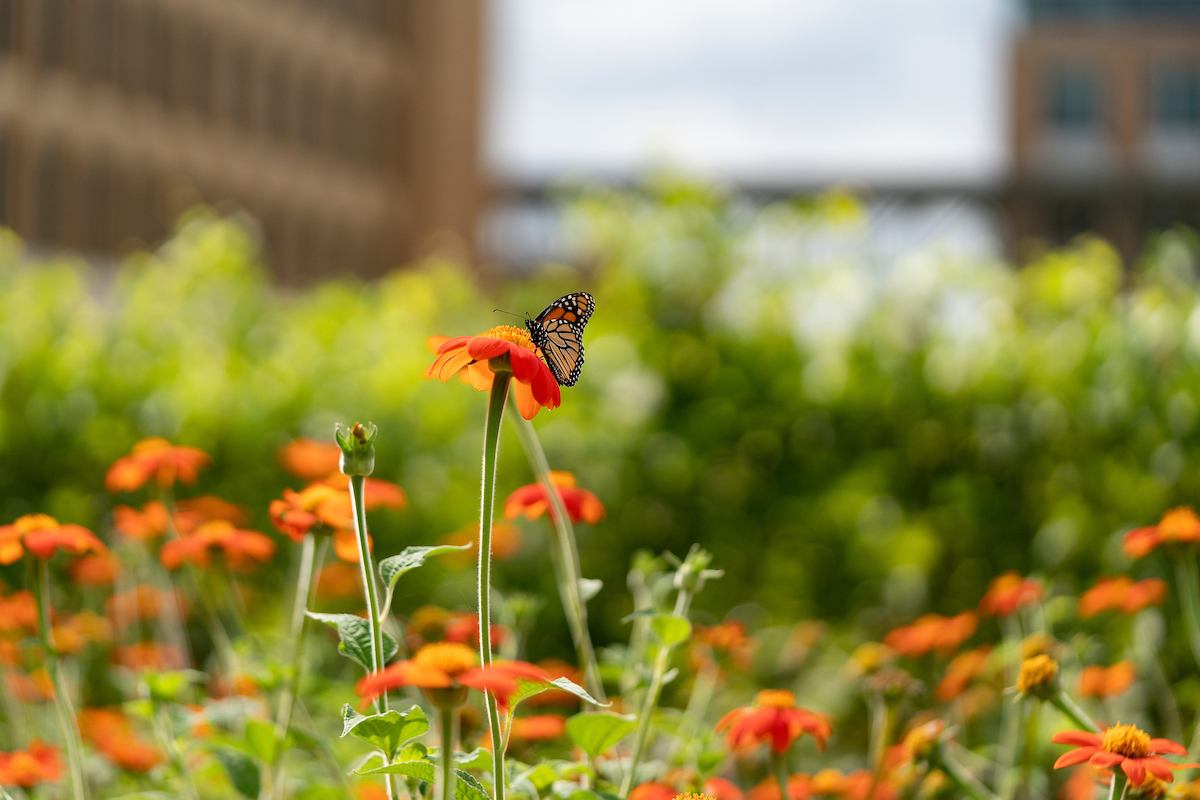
{"x":958,"y":774}
{"x":1064,"y":703}
{"x":444,"y":788}
{"x":1188,"y":578}
{"x":62,"y":700}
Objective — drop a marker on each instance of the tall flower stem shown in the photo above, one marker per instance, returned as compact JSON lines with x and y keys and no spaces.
{"x":779,"y":768}
{"x":62,"y":700}
{"x":312,"y":556}
{"x":662,"y":660}
{"x":964,"y":780}
{"x":491,"y":450}
{"x":444,"y":787}
{"x":1188,"y":579}
{"x":569,"y":574}
{"x":1117,"y":787}
{"x":1063,"y":702}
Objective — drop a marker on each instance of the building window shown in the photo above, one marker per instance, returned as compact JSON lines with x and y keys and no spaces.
{"x":1073,"y":98}
{"x":1175,"y":96}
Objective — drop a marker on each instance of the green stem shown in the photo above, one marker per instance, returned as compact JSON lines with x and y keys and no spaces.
{"x":444,"y":789}
{"x":569,"y":575}
{"x":1118,"y":780}
{"x":491,"y":450}
{"x":881,"y":734}
{"x":312,"y":556}
{"x":1189,"y":597}
{"x":779,"y":767}
{"x":366,"y":566}
{"x":62,"y":700}
{"x":963,"y":779}
{"x":1063,"y":702}
{"x":662,"y":660}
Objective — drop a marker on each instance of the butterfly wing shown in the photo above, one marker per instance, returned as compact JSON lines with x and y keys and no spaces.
{"x":558,"y":333}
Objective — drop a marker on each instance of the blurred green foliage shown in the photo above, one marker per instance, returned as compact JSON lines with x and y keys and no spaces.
{"x":845,"y":435}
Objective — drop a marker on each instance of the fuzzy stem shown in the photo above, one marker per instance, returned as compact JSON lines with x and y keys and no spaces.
{"x":62,"y":700}
{"x":568,"y":574}
{"x":1063,"y":702}
{"x":683,"y":601}
{"x":962,"y":779}
{"x":444,"y":788}
{"x":491,"y":451}
{"x":1189,"y":597}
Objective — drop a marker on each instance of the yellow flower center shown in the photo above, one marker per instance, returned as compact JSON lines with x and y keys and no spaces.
{"x":35,"y":522}
{"x":451,"y":658}
{"x":693,"y":796}
{"x":1127,"y":740}
{"x":1036,"y":644}
{"x":775,"y":698}
{"x":1037,"y":671}
{"x":513,"y":335}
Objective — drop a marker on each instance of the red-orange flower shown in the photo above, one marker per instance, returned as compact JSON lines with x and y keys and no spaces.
{"x":722,"y":789}
{"x":150,"y":656}
{"x":1009,"y":593}
{"x":1126,"y":746}
{"x":208,"y":507}
{"x":243,"y":549}
{"x":652,"y":791}
{"x":324,"y":507}
{"x":932,"y":632}
{"x":18,"y":612}
{"x":112,"y":733}
{"x":505,"y":541}
{"x":42,"y":536}
{"x":538,"y":728}
{"x":338,"y":581}
{"x":961,"y":672}
{"x":463,"y":628}
{"x":472,"y":357}
{"x":1097,"y":681}
{"x":142,"y":525}
{"x":532,"y":501}
{"x":773,"y":718}
{"x":98,"y":569}
{"x":158,"y":460}
{"x":310,"y":459}
{"x":1177,"y":526}
{"x":1121,"y":594}
{"x":38,"y":763}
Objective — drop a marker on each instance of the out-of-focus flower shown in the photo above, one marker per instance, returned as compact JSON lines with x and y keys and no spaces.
{"x":42,"y":536}
{"x":1121,"y":594}
{"x":962,"y":670}
{"x":1038,"y":676}
{"x":142,"y":602}
{"x":473,"y":358}
{"x":371,"y":791}
{"x":1009,"y":593}
{"x":799,"y":787}
{"x":1039,"y":643}
{"x":870,"y":657}
{"x":98,"y":569}
{"x":428,"y":624}
{"x":538,"y":728}
{"x":532,"y":501}
{"x":506,"y":541}
{"x":33,"y":687}
{"x":243,"y":549}
{"x":338,"y":581}
{"x":158,"y":460}
{"x":932,"y":632}
{"x":150,"y":522}
{"x":722,"y":789}
{"x":773,"y":718}
{"x":918,"y":742}
{"x":79,"y":630}
{"x":324,"y":507}
{"x":1126,"y":746}
{"x":464,"y":629}
{"x":113,"y":734}
{"x":1177,"y":526}
{"x":38,"y":763}
{"x":1082,"y":783}
{"x":1097,"y":681}
{"x":652,"y":791}
{"x":18,"y":613}
{"x":209,"y":507}
{"x":723,"y":645}
{"x":152,"y":656}
{"x":309,"y":459}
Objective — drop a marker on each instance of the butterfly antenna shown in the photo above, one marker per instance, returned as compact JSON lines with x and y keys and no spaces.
{"x":511,"y":314}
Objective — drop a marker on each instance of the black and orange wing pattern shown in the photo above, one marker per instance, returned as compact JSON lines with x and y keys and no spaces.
{"x":557,"y":333}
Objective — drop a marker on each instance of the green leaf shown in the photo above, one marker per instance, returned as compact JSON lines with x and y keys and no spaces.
{"x":478,"y":758}
{"x":531,"y":688}
{"x":355,"y":635}
{"x":242,"y":771}
{"x":388,"y":731}
{"x":466,"y":787}
{"x":539,"y":776}
{"x":167,"y":687}
{"x":597,"y":733}
{"x":261,"y":740}
{"x":670,"y":629}
{"x":408,"y":559}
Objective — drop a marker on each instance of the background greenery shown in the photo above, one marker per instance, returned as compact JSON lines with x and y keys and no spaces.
{"x":851,"y":438}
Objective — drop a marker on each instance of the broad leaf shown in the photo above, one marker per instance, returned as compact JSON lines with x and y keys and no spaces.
{"x":466,"y":787}
{"x":670,"y":629}
{"x":597,"y":733}
{"x":531,"y":688}
{"x":355,"y":635}
{"x":388,"y":731}
{"x":391,"y":568}
{"x":242,"y":771}
{"x":261,"y":740}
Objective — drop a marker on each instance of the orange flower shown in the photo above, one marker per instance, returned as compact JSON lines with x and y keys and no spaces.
{"x":38,"y":763}
{"x":77,"y":631}
{"x":98,"y":569}
{"x":774,"y":717}
{"x":310,"y":459}
{"x":143,"y":602}
{"x":932,"y":632}
{"x":149,"y":656}
{"x":112,"y":733}
{"x":42,"y":536}
{"x":34,"y":687}
{"x":538,"y":728}
{"x":1121,"y":594}
{"x":1125,"y":745}
{"x":1177,"y":526}
{"x":1096,"y":681}
{"x":531,"y":501}
{"x":149,"y":523}
{"x":208,"y":507}
{"x":463,"y":628}
{"x":652,"y":791}
{"x":722,"y":789}
{"x":18,"y":612}
{"x":243,"y":549}
{"x":1009,"y":593}
{"x":339,"y":581}
{"x":799,"y":787}
{"x":324,"y":507}
{"x":473,"y":357}
{"x":158,"y":460}
{"x":964,"y":669}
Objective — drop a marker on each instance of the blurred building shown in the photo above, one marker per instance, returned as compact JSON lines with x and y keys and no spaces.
{"x":1105,"y":122}
{"x":350,"y":129}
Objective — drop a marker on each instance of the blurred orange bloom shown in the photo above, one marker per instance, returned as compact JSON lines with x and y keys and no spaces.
{"x":1177,"y":526}
{"x":932,"y":632}
{"x":773,"y":718}
{"x":1008,"y":593}
{"x":38,"y":763}
{"x":79,"y":630}
{"x":34,"y":687}
{"x":371,"y":791}
{"x":338,"y":581}
{"x":324,"y":507}
{"x":143,"y":601}
{"x":964,"y":669}
{"x":463,"y":628}
{"x":538,"y":728}
{"x":531,"y":501}
{"x":1126,"y":746}
{"x":1096,"y":681}
{"x":149,"y":523}
{"x":207,"y":507}
{"x":158,"y":460}
{"x":310,"y":459}
{"x":799,"y":787}
{"x":98,"y":569}
{"x":243,"y":549}
{"x":149,"y":656}
{"x":42,"y":536}
{"x":722,"y":789}
{"x":112,"y":733}
{"x":505,"y":542}
{"x":1121,"y":594}
{"x":652,"y":791}
{"x":533,"y":387}
{"x":18,"y":612}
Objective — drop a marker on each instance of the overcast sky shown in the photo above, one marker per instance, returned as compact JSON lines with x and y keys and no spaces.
{"x":800,"y":90}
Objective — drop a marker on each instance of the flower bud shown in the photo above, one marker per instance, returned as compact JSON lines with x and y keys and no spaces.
{"x":358,"y":448}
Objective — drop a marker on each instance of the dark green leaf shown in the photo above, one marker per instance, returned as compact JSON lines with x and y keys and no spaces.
{"x":242,"y":771}
{"x":355,"y":635}
{"x":597,"y":733}
{"x":393,"y":567}
{"x":388,"y":731}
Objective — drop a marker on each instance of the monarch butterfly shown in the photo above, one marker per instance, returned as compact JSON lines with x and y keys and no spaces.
{"x":558,"y":333}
